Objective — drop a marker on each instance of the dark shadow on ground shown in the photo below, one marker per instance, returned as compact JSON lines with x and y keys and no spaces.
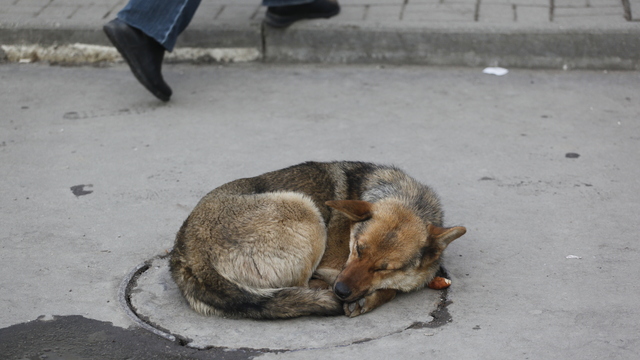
{"x":77,"y":338}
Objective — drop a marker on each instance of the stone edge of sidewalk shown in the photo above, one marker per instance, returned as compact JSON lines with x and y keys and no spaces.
{"x":581,"y":47}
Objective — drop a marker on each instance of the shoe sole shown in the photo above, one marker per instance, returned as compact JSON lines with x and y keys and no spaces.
{"x":278,"y":21}
{"x":134,"y":69}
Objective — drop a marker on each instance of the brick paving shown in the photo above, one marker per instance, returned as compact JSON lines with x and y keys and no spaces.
{"x":94,"y":12}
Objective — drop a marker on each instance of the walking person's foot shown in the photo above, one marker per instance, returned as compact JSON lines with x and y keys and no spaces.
{"x":143,"y":54}
{"x":283,"y":16}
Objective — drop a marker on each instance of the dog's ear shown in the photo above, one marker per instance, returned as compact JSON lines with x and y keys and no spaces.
{"x":355,"y":210}
{"x":444,"y":236}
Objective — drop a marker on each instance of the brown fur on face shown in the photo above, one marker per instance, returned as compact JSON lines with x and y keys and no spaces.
{"x":391,"y":248}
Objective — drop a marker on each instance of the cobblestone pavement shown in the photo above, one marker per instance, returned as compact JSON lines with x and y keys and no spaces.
{"x":94,"y":12}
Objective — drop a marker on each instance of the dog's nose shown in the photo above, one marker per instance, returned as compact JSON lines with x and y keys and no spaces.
{"x":341,"y":290}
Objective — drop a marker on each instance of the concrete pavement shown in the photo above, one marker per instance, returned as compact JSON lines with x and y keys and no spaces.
{"x":540,"y":166}
{"x":597,"y":34}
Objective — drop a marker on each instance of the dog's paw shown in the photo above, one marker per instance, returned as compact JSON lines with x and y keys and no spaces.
{"x":369,"y":302}
{"x":356,"y":308}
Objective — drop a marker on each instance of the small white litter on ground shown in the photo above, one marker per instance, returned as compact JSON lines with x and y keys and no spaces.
{"x":498,"y":71}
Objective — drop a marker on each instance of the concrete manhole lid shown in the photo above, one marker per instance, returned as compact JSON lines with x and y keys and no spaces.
{"x":154,"y":297}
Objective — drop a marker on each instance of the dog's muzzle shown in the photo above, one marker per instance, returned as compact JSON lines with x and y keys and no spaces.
{"x":341,"y":290}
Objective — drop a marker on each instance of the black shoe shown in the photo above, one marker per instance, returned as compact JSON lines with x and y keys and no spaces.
{"x":283,"y":16}
{"x":143,"y":54}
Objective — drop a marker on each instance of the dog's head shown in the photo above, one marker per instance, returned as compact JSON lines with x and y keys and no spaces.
{"x":390,"y":248}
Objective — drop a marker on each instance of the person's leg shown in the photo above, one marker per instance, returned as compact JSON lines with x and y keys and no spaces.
{"x":142,"y":32}
{"x":162,"y":20}
{"x":282,"y":13}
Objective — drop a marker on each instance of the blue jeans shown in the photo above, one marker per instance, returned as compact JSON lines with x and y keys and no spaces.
{"x":164,"y":20}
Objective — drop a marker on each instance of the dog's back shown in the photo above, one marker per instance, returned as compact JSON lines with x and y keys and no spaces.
{"x":250,"y":246}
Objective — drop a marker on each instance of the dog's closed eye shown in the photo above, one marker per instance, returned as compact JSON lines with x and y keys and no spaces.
{"x":382,"y":270}
{"x":359,"y":250}
{"x":388,"y":267}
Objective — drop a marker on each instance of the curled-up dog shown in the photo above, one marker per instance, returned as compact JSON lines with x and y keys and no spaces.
{"x":312,"y":239}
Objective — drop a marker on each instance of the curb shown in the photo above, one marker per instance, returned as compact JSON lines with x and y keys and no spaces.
{"x":79,"y":54}
{"x":545,"y":47}
{"x":617,"y":48}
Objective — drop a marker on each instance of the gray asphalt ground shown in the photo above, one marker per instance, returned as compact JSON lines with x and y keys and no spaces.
{"x":538,"y":165}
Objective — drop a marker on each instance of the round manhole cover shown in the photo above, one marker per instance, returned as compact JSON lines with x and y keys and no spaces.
{"x":156,"y":298}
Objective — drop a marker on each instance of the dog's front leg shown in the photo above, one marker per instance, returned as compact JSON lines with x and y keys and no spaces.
{"x":327,"y":274}
{"x":369,"y":302}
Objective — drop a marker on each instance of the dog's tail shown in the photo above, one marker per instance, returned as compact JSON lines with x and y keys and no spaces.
{"x":217,"y":295}
{"x":265,"y":303}
{"x":293,"y":302}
